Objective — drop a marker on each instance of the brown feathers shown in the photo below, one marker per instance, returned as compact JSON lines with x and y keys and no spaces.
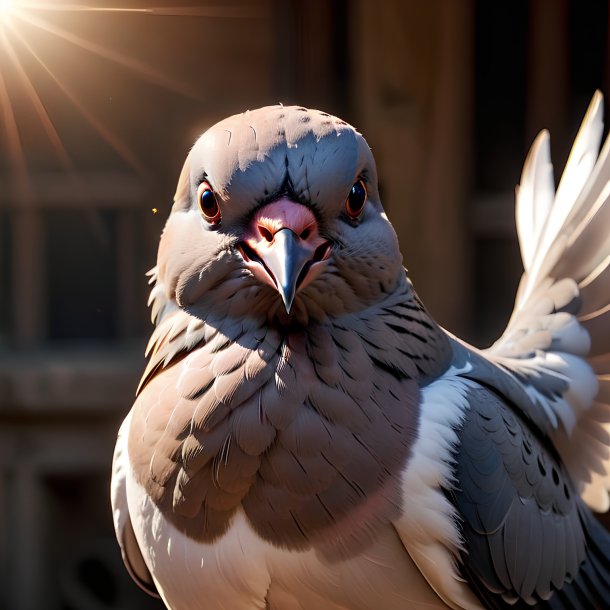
{"x":304,"y":427}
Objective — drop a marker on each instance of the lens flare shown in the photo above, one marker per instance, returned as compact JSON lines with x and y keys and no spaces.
{"x":7,"y":8}
{"x":22,"y":62}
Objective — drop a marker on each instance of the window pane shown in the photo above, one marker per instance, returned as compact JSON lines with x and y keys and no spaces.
{"x":81,"y":274}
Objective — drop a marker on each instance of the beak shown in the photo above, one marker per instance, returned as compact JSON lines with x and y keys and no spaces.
{"x":283,"y":248}
{"x":287,"y":263}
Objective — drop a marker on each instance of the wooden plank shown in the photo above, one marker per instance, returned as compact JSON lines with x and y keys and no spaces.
{"x":413,"y":91}
{"x":29,"y":294}
{"x":81,"y":381}
{"x":84,"y":189}
{"x":127,"y":292}
{"x":24,"y":588}
{"x":548,"y":73}
{"x":493,"y":215}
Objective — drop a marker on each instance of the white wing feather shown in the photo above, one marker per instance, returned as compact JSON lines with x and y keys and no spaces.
{"x":566,"y":202}
{"x":560,"y":328}
{"x":534,"y":197}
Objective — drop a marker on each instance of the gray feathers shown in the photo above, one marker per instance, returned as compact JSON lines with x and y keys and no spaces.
{"x":521,"y":520}
{"x":333,"y":448}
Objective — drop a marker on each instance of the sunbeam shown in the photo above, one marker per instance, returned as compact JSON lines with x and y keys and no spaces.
{"x":6,"y":7}
{"x":43,"y":115}
{"x":140,"y":68}
{"x":15,"y":149}
{"x":14,"y":42}
{"x":106,"y":134}
{"x":222,"y":12}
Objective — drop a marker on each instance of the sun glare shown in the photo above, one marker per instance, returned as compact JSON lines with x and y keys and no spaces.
{"x":7,"y":7}
{"x":17,"y":20}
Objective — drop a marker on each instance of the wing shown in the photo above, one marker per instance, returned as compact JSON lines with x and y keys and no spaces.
{"x":528,"y":539}
{"x":557,"y":343}
{"x":130,"y":551}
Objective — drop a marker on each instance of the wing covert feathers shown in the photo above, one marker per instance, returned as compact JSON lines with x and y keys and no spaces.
{"x":530,"y":540}
{"x":557,"y":342}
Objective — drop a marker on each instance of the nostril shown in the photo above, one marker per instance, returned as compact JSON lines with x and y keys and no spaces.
{"x":305,"y":233}
{"x":265,"y":233}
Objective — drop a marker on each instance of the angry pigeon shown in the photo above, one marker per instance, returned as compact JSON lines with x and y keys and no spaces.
{"x":306,"y":436}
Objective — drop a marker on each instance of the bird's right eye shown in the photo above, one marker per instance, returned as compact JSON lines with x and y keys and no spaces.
{"x":354,"y":204}
{"x":208,"y":204}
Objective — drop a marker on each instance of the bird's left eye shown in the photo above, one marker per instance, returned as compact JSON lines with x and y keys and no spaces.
{"x":207,"y":203}
{"x":354,"y":204}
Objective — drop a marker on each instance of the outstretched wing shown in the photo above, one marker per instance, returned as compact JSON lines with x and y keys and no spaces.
{"x":528,"y":538}
{"x":557,"y":343}
{"x":132,"y":556}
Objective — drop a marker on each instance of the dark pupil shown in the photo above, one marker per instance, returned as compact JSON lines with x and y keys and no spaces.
{"x":356,"y":197}
{"x":208,"y":202}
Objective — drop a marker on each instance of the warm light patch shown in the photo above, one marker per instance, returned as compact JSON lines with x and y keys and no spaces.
{"x":7,"y":8}
{"x":19,"y":20}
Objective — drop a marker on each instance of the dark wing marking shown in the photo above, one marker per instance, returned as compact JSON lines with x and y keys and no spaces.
{"x":529,"y":539}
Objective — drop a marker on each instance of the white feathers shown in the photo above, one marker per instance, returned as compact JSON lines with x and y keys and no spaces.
{"x":428,"y":527}
{"x":536,"y":186}
{"x":565,"y":246}
{"x":158,"y":301}
{"x":120,"y":464}
{"x":535,"y":204}
{"x":196,"y":575}
{"x":240,"y":571}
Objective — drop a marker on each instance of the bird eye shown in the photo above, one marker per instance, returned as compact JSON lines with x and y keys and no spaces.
{"x":208,"y":204}
{"x":354,"y":204}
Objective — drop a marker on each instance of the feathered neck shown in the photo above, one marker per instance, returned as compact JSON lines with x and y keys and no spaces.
{"x":406,"y":333}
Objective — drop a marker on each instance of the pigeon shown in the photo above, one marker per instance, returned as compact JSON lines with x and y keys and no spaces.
{"x":306,"y":436}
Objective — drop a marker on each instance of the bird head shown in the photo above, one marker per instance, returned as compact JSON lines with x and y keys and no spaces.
{"x":277,"y":212}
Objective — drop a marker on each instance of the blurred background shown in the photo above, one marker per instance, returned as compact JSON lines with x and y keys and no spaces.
{"x":97,"y":112}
